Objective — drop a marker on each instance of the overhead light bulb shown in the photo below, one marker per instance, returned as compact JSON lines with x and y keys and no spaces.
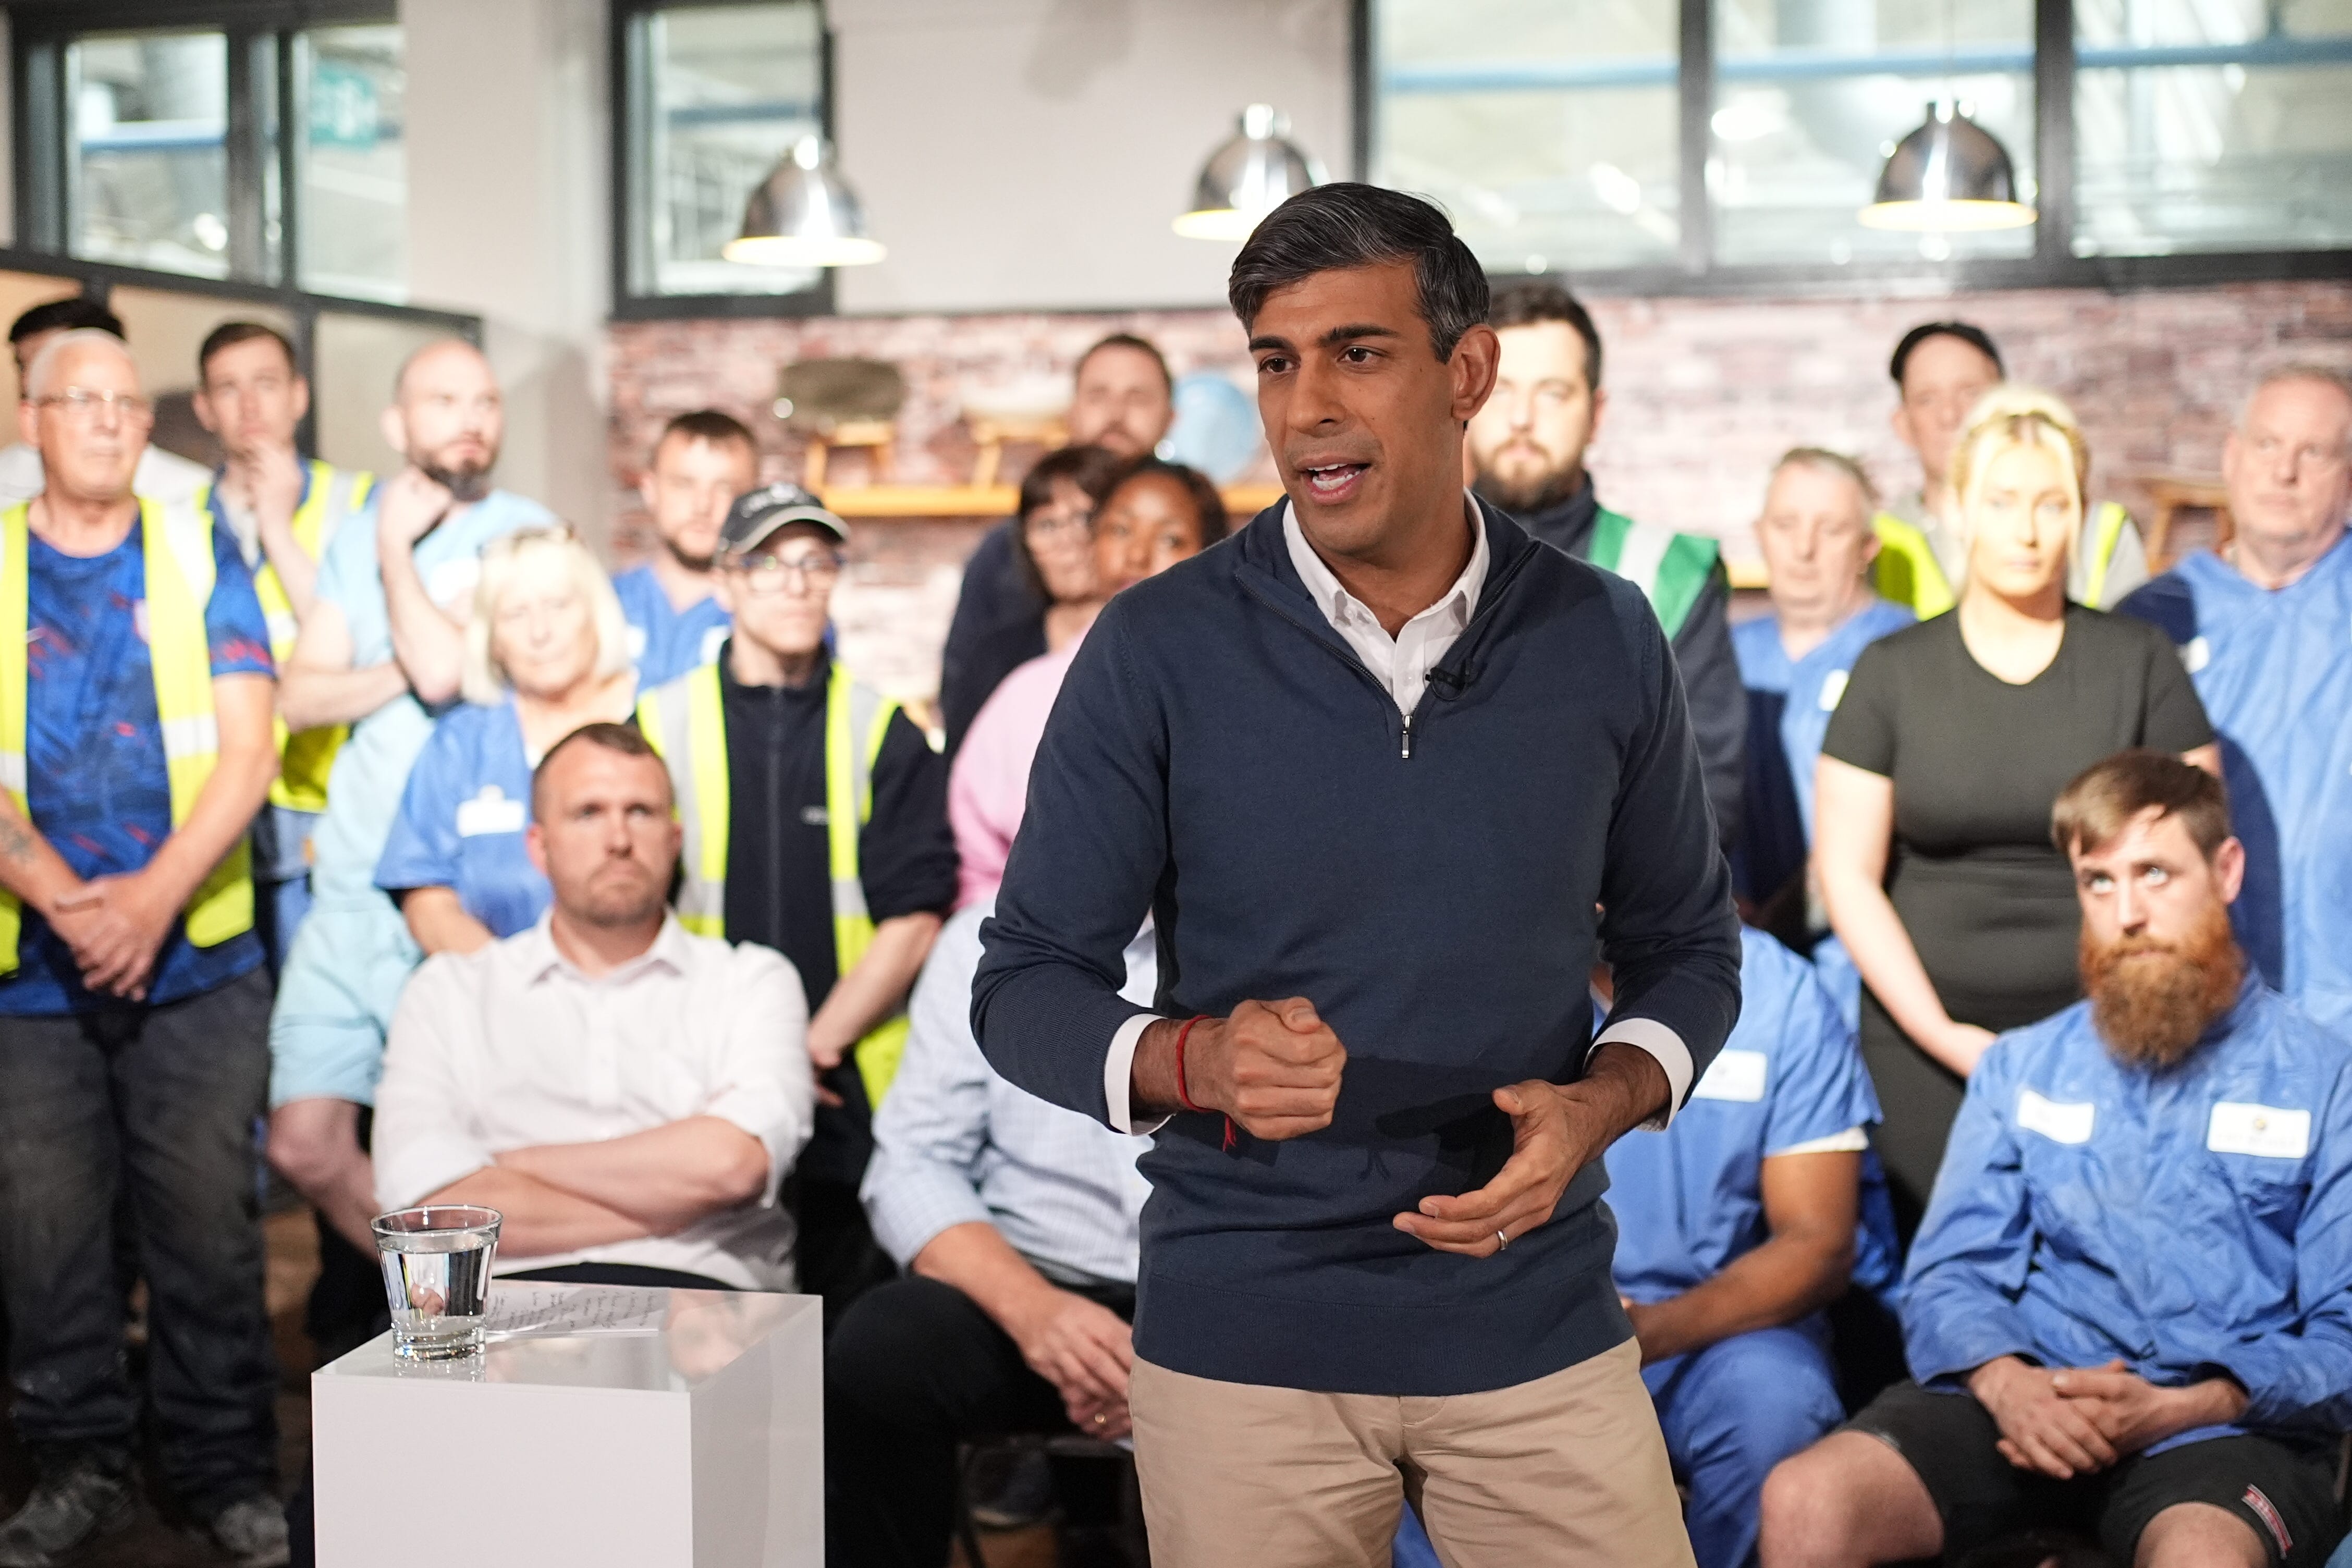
{"x":1950,"y":175}
{"x":1247,"y":177}
{"x":804,"y":214}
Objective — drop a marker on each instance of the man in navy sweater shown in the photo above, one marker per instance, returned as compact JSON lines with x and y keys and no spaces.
{"x":1371,"y":766}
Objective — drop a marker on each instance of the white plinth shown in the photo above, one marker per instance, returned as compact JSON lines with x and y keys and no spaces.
{"x":696,"y":1444}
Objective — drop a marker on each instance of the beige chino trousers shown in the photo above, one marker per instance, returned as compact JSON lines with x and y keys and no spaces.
{"x":1566,"y":1470}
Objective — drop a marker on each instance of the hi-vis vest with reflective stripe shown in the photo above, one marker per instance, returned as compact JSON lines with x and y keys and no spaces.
{"x":1907,"y":571}
{"x":303,"y":760}
{"x":177,"y":549}
{"x":686,"y":720}
{"x":1671,"y":569}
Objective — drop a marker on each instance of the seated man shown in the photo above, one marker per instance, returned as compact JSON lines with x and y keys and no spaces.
{"x":1017,"y":1222}
{"x":2129,"y":1307}
{"x":627,"y":1095}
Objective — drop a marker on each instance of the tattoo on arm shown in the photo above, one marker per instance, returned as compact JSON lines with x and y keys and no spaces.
{"x":17,"y":840}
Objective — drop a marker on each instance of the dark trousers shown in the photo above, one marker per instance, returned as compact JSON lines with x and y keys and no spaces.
{"x":915,"y":1368}
{"x":156,"y":1103}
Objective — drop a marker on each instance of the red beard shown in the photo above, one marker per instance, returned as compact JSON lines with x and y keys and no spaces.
{"x":2153,"y":1001}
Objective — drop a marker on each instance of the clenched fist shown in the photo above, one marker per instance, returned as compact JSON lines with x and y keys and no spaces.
{"x":1272,"y":1067}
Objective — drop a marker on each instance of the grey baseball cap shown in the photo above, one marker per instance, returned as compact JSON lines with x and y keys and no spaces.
{"x":757,"y":514}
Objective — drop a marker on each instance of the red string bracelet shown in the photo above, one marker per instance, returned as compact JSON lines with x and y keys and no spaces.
{"x":1183,"y":1090}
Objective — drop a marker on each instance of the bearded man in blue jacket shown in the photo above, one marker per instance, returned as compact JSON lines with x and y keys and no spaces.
{"x":2129,"y":1307}
{"x":1370,"y":766}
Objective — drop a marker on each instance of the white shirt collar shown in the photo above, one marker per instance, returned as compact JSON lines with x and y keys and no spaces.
{"x":536,"y":950}
{"x":1334,"y":600}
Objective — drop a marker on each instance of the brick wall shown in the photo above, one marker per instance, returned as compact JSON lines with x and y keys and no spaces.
{"x":1703,"y":395}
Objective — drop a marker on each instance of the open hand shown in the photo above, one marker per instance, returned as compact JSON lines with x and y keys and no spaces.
{"x":411,"y":506}
{"x":1553,"y":1134}
{"x":1086,"y":1351}
{"x":2041,"y":1428}
{"x":1272,"y":1067}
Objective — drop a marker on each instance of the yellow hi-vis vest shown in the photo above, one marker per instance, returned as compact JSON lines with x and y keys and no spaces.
{"x":303,"y":760}
{"x":1907,"y":572}
{"x":686,"y":720}
{"x":177,"y":549}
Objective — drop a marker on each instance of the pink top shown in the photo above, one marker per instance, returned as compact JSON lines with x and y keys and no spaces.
{"x":987,"y":789}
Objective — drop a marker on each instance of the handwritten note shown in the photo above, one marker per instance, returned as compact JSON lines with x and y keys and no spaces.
{"x":526,"y":1311}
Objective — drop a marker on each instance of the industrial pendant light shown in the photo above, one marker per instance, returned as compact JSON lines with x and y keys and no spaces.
{"x":803,"y":214}
{"x":1248,"y":177}
{"x":1948,"y":176}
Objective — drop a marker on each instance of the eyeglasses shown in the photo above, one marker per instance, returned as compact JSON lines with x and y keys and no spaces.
{"x":1050,"y":520}
{"x":808,"y":573}
{"x":81,"y":404}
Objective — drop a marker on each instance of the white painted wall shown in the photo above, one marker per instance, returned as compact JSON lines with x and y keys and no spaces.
{"x":1029,"y":154}
{"x":507,"y":218}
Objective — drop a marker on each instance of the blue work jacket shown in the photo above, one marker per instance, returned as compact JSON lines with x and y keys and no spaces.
{"x":462,"y":820}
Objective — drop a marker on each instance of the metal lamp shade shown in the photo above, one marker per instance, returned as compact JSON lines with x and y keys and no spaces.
{"x":803,"y":214}
{"x":1951,"y":174}
{"x":1248,"y":177}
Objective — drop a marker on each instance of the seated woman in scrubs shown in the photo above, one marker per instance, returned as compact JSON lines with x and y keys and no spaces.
{"x":546,"y":652}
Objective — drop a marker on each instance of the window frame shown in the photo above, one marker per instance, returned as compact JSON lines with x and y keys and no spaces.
{"x":631,"y":204}
{"x":2053,"y":264}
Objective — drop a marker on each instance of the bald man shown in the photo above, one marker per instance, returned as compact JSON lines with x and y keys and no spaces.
{"x":380,"y":651}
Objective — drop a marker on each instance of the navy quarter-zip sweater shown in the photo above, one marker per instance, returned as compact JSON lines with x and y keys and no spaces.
{"x":1220,"y":758}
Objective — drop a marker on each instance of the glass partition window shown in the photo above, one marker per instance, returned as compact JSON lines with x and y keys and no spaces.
{"x":146,"y":150}
{"x":1548,"y":130}
{"x":1811,"y":96}
{"x":2212,"y":125}
{"x":351,"y":163}
{"x":722,"y":94}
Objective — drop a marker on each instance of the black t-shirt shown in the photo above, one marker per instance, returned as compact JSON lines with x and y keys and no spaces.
{"x":1977,"y":764}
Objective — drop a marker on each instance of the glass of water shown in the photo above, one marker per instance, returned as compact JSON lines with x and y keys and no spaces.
{"x":437,"y":1276}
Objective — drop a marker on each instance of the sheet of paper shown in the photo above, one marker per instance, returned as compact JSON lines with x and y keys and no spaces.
{"x":523,"y":1310}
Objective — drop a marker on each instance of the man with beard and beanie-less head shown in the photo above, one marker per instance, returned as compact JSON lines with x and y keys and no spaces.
{"x":382,"y":651}
{"x":702,"y":461}
{"x":1122,"y":399}
{"x":2129,"y":1308}
{"x":2261,"y":627}
{"x":1374,"y":766}
{"x":1528,"y":444}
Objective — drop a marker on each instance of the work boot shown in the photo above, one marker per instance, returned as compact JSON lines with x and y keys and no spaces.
{"x":252,"y":1532}
{"x":65,"y":1509}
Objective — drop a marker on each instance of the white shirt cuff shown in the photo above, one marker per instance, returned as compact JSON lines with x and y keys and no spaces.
{"x":1119,"y":1072}
{"x":1853,"y":1141}
{"x":1667,"y":1047}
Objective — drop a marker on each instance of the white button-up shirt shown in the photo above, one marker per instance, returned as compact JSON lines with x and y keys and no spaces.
{"x":1402,"y":663}
{"x":512,"y":1047}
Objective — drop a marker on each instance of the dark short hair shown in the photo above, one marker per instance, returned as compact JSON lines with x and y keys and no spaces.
{"x":1340,"y":226}
{"x":1085,"y":466}
{"x":2105,"y":797}
{"x":714,"y":425}
{"x":1524,"y":304}
{"x":625,"y":739}
{"x":1975,"y":337}
{"x":1207,"y":504}
{"x":1144,"y":346}
{"x":69,"y":315}
{"x":228,"y":334}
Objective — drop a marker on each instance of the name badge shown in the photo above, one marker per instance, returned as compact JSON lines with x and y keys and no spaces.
{"x":1833,"y":690}
{"x":2196,"y":653}
{"x":1733,"y":1075}
{"x":488,"y":812}
{"x":637,"y":641}
{"x":2059,"y":1123}
{"x":2261,"y":1130}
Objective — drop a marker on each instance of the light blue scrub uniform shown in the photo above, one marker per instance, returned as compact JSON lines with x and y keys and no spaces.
{"x":665,"y":643}
{"x":462,"y":818}
{"x":353,"y":953}
{"x":2273,"y":668}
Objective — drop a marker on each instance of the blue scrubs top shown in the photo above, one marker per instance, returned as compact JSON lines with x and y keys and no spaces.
{"x":2181,"y":1222}
{"x":1789,"y":706}
{"x":2275,"y":671}
{"x":462,"y":817}
{"x":1690,"y":1199}
{"x":665,"y":643}
{"x":95,"y":774}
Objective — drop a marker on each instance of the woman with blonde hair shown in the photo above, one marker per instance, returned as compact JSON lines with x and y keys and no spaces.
{"x":547,"y":651}
{"x":1934,"y":788}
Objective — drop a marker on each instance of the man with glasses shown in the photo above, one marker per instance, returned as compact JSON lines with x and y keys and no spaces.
{"x":2261,"y":628}
{"x":135,"y":744}
{"x":816,"y":822}
{"x":160,"y":476}
{"x":282,"y":509}
{"x":381,"y":651}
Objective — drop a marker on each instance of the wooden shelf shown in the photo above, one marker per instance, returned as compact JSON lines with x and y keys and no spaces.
{"x":1243,"y":501}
